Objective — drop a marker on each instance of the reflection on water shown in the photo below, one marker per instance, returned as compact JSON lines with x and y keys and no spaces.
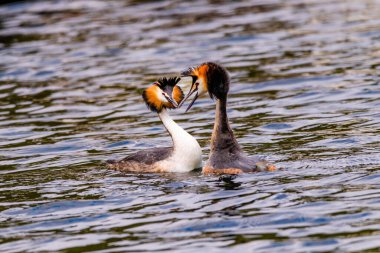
{"x":305,"y":93}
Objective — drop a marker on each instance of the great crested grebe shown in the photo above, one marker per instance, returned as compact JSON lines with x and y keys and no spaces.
{"x":184,"y":156}
{"x":226,"y":156}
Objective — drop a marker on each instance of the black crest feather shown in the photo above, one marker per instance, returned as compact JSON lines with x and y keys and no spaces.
{"x":218,"y":80}
{"x":167,"y":81}
{"x":188,"y":71}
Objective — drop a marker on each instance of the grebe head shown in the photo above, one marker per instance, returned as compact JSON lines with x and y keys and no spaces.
{"x":210,"y":78}
{"x":163,"y":93}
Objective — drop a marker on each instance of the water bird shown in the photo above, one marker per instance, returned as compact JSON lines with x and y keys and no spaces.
{"x":185,"y":154}
{"x":226,"y":155}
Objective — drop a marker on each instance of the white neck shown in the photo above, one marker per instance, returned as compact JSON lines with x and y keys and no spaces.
{"x":187,"y":154}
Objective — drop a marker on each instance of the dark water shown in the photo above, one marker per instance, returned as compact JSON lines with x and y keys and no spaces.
{"x":305,"y":94}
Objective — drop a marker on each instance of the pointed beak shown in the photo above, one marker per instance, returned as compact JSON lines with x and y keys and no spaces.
{"x":172,"y":101}
{"x":192,"y":102}
{"x":194,"y":89}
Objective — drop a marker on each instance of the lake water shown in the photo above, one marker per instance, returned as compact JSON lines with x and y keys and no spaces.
{"x":305,"y":94}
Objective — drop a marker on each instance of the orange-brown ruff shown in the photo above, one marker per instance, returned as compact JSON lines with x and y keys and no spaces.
{"x":226,"y":156}
{"x":186,"y":153}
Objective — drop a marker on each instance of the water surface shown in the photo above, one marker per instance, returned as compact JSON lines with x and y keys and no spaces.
{"x":305,"y":93}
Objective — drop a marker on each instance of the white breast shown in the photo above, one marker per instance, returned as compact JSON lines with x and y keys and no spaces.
{"x":187,"y":154}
